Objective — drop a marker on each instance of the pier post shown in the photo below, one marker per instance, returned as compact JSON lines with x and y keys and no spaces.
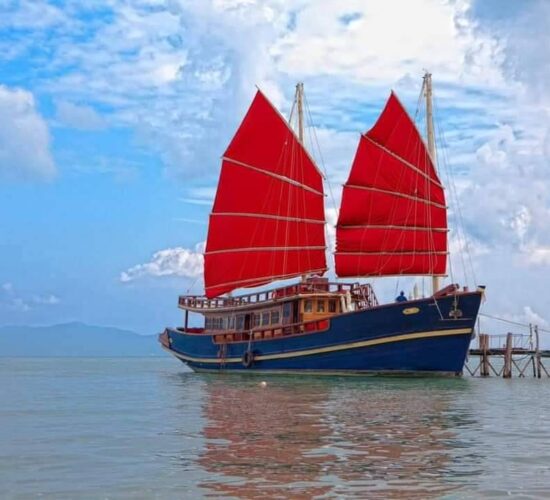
{"x":537,"y":353}
{"x":484,"y":347}
{"x":507,"y":370}
{"x":532,"y":348}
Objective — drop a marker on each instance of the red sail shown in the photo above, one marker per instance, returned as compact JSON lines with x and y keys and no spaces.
{"x":268,"y":217}
{"x":393,"y":219}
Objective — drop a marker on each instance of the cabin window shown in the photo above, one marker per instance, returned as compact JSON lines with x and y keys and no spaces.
{"x":320,"y":306}
{"x":265,"y":318}
{"x":208,"y":323}
{"x":287,"y":310}
{"x":240,"y":322}
{"x":231,"y":322}
{"x":274,"y":317}
{"x":256,"y":320}
{"x":332,"y":306}
{"x":308,"y":306}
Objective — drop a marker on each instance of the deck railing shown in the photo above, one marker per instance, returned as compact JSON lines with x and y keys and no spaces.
{"x":265,"y":333}
{"x":363,"y":295}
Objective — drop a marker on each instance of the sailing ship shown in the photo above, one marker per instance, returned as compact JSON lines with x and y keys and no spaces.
{"x":268,"y":223}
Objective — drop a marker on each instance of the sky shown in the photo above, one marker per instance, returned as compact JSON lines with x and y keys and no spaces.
{"x":114,"y":115}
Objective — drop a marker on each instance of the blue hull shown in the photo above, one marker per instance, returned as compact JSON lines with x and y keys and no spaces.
{"x":415,"y":337}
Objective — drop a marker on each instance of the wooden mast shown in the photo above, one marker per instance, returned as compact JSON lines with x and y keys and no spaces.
{"x":299,"y":97}
{"x":436,"y":284}
{"x":300,"y":108}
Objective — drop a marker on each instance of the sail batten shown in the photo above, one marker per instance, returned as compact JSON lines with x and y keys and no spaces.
{"x":258,"y":281}
{"x":393,"y":215}
{"x":403,"y":161}
{"x":400,"y":228}
{"x":395,"y":193}
{"x":269,"y":216}
{"x":416,"y":252}
{"x":267,"y":222}
{"x":276,"y":176}
{"x":262,"y":249}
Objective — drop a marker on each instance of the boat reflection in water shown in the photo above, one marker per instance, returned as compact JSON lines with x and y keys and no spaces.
{"x":326,"y":437}
{"x":266,"y":441}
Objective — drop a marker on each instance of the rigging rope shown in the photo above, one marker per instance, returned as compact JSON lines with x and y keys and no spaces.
{"x":193,"y":283}
{"x":314,"y":141}
{"x":511,"y":322}
{"x":424,"y":127}
{"x":436,"y":159}
{"x":460,"y":219}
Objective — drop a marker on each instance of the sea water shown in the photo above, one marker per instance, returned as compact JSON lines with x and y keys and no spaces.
{"x":148,"y":428}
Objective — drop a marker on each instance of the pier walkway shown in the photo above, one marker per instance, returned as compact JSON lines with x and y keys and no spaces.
{"x":508,"y":355}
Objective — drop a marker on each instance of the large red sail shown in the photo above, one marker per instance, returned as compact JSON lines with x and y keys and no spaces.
{"x":393,"y":219}
{"x":268,"y":218}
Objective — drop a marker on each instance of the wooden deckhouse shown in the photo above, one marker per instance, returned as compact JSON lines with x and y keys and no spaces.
{"x":284,"y":311}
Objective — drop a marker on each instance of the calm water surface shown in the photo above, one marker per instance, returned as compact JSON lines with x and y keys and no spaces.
{"x":146,"y":428}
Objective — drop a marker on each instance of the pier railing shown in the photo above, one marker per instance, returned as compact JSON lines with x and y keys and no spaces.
{"x":508,"y":355}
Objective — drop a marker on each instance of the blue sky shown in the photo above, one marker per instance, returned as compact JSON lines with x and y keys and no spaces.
{"x":114,"y":116}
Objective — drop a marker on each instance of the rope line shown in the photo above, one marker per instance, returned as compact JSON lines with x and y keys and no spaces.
{"x":454,"y":194}
{"x":315,"y":142}
{"x":511,"y":322}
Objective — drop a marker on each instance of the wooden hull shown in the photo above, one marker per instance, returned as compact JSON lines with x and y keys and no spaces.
{"x":421,"y":337}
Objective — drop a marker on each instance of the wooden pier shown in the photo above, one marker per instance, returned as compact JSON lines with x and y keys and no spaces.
{"x":508,"y":355}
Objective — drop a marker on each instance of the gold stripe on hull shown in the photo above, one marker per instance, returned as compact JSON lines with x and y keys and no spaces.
{"x":340,"y":373}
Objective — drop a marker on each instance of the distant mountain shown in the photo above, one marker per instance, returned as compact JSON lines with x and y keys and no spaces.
{"x":75,"y":339}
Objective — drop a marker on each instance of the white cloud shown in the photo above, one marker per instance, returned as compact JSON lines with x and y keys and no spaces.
{"x":508,"y":195}
{"x":49,"y":299}
{"x":190,"y":221}
{"x":532,"y":317}
{"x":382,"y":48}
{"x":181,"y":76}
{"x":200,"y":195}
{"x":525,"y":317}
{"x":18,"y":304}
{"x":79,"y":116}
{"x":169,"y":262}
{"x":120,"y":169}
{"x":14,"y":300}
{"x":24,"y":138}
{"x":331,"y":215}
{"x":31,"y":14}
{"x":536,"y":255}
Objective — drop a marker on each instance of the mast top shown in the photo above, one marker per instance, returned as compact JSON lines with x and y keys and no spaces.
{"x":427,"y":86}
{"x":300,"y":105}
